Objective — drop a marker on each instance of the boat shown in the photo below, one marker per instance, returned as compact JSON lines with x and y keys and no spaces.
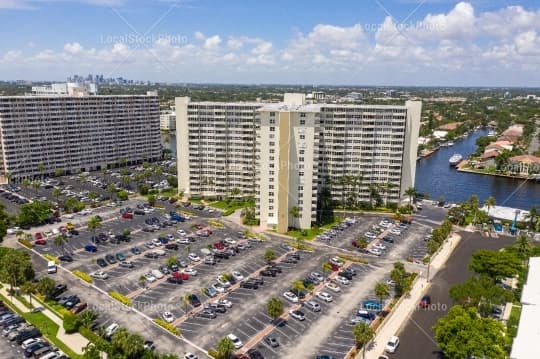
{"x":455,"y":159}
{"x":492,"y":133}
{"x":450,"y":144}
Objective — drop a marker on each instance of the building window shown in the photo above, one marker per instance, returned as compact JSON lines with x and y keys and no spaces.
{"x":272,"y":150}
{"x":301,"y":174}
{"x":270,"y":200}
{"x":271,"y":158}
{"x":302,"y":152}
{"x":271,"y":186}
{"x":302,"y":122}
{"x":302,"y":114}
{"x":270,"y":208}
{"x":272,"y":121}
{"x":271,"y":214}
{"x":300,"y":188}
{"x":272,"y":128}
{"x":271,"y":143}
{"x":300,"y":201}
{"x":302,"y":137}
{"x":301,"y":159}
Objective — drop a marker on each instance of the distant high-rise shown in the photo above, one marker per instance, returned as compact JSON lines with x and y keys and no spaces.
{"x":292,"y":155}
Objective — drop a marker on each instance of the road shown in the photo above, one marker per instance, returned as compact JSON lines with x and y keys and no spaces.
{"x":417,"y":335}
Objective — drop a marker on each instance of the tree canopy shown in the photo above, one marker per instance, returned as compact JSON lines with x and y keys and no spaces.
{"x":495,"y":264}
{"x":34,"y":213}
{"x":15,"y":266}
{"x":477,"y":289}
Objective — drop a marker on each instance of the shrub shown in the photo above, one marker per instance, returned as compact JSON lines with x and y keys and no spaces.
{"x":353,"y":259}
{"x":25,"y":243}
{"x":50,"y":257}
{"x":93,"y":337}
{"x":84,"y":276}
{"x":121,"y":298}
{"x":228,"y":212}
{"x":71,"y":323}
{"x":122,"y":195}
{"x":171,"y":328}
{"x":215,"y":223}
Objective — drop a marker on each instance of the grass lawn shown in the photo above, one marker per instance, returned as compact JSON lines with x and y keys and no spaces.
{"x":313,"y":231}
{"x":170,"y":192}
{"x":232,"y":204}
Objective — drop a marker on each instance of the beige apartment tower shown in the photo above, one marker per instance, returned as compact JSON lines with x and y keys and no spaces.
{"x":291,"y":154}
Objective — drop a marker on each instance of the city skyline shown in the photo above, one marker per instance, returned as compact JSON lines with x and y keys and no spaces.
{"x":399,"y":43}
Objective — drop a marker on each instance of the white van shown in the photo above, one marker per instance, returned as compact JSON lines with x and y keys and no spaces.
{"x":51,"y":267}
{"x":111,"y":329}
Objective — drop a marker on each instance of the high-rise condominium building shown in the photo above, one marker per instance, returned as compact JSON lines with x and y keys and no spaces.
{"x":42,"y":134}
{"x":297,"y":156}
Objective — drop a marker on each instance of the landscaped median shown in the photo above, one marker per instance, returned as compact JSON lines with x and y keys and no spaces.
{"x":51,"y":258}
{"x":25,"y":243}
{"x":121,"y":298}
{"x":171,"y":328}
{"x":84,"y":276}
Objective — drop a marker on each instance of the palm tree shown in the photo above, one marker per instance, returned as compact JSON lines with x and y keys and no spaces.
{"x":40,"y":169}
{"x":60,"y":241}
{"x":363,"y":334}
{"x":373,"y":194}
{"x":36,"y":184}
{"x":87,"y":318}
{"x":411,"y":192}
{"x":171,"y":261}
{"x":523,"y":246}
{"x":131,"y":345}
{"x":269,"y":255}
{"x":93,"y":224}
{"x":26,"y":183}
{"x":56,"y":193}
{"x":111,"y":189}
{"x":295,"y":213}
{"x":45,"y":286}
{"x":29,"y":288}
{"x":326,"y":268}
{"x":225,"y":348}
{"x":235,"y":192}
{"x":489,"y":203}
{"x":532,"y":217}
{"x":59,"y":172}
{"x":297,"y":286}
{"x":381,"y":291}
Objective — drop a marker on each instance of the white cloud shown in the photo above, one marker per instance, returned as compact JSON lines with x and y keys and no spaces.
{"x":212,"y":42}
{"x":73,"y":48}
{"x":199,"y":36}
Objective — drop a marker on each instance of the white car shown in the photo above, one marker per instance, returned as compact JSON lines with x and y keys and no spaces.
{"x":297,"y":314}
{"x":168,"y":317}
{"x":156,"y":242}
{"x":190,"y":356}
{"x":224,"y":282}
{"x":181,"y":232}
{"x":29,"y":342}
{"x":392,"y":345}
{"x":227,"y":303}
{"x":149,"y":277}
{"x":13,"y":230}
{"x":111,"y":329}
{"x":218,"y":287}
{"x":190,"y":271}
{"x":170,"y":237}
{"x":237,"y":275}
{"x":395,"y":231}
{"x":374,"y":251}
{"x":333,"y":287}
{"x":236,"y":341}
{"x":157,"y":273}
{"x":193,"y":257}
{"x":342,"y":280}
{"x":391,"y":283}
{"x":290,"y":296}
{"x":324,"y":296}
{"x":380,"y":246}
{"x":385,"y":224}
{"x":183,"y":241}
{"x":370,"y":235}
{"x":337,"y":261}
{"x":99,"y":275}
{"x":230,"y":241}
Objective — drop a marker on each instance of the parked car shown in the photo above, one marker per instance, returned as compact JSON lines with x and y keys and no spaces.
{"x":324,"y":296}
{"x":290,"y":296}
{"x":236,"y":341}
{"x":194,"y":300}
{"x":90,"y":248}
{"x":99,"y":275}
{"x":297,"y":314}
{"x":392,"y":345}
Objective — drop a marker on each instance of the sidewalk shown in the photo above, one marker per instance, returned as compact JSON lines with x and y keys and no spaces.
{"x":407,"y":304}
{"x":75,"y":342}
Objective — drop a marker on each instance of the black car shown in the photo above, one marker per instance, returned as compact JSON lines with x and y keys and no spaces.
{"x":139,"y":212}
{"x":101,"y":262}
{"x":66,"y":299}
{"x":216,"y":307}
{"x":72,"y":302}
{"x":346,"y":274}
{"x":151,"y":255}
{"x":350,"y":270}
{"x":289,"y":260}
{"x":32,"y":333}
{"x":255,"y":354}
{"x":110,"y":259}
{"x":249,"y":285}
{"x":122,"y":238}
{"x":268,"y":273}
{"x":194,"y":300}
{"x":135,"y":250}
{"x":258,"y":280}
{"x":295,"y":255}
{"x":74,"y":232}
{"x":221,"y":255}
{"x":388,"y":239}
{"x":274,"y":268}
{"x":66,"y":258}
{"x":172,"y":246}
{"x":175,"y":280}
{"x":58,"y":289}
{"x":29,"y":352}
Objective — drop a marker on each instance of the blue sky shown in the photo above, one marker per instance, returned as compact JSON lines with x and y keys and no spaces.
{"x":372,"y":42}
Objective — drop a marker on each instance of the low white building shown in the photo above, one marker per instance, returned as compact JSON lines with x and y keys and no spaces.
{"x":524,"y":346}
{"x":440,"y":134}
{"x":167,"y":120}
{"x":506,"y":213}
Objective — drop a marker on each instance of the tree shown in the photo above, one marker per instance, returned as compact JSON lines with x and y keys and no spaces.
{"x":29,"y":288}
{"x":363,"y":334}
{"x":398,"y":276}
{"x":15,"y":267}
{"x":143,"y":189}
{"x":93,"y":224}
{"x":35,"y":185}
{"x":46,"y":286}
{"x":126,"y":343}
{"x":490,"y":203}
{"x":479,"y":289}
{"x":34,"y":213}
{"x":295,"y":213}
{"x":269,"y":255}
{"x":56,"y":193}
{"x":381,"y":291}
{"x":173,"y":181}
{"x":171,"y":260}
{"x":87,"y":318}
{"x":463,"y":334}
{"x":523,"y":246}
{"x":274,"y":307}
{"x":224,"y":349}
{"x":91,"y":351}
{"x":411,"y":193}
{"x":495,"y":264}
{"x":122,"y":195}
{"x":60,"y":241}
{"x":532,"y":217}
{"x":297,"y":286}
{"x":4,"y":222}
{"x":112,"y":190}
{"x":327,"y":268}
{"x":151,"y":200}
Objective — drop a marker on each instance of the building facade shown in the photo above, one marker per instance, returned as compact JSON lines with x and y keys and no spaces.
{"x":167,"y":121}
{"x":302,"y":155}
{"x":43,"y":134}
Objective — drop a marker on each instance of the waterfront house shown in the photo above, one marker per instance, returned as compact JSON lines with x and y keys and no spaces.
{"x":525,"y":164}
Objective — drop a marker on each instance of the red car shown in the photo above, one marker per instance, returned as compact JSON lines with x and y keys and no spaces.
{"x":79,"y":308}
{"x":38,"y":235}
{"x":181,"y":275}
{"x":334,"y":266}
{"x":219,"y":246}
{"x":425,"y":301}
{"x":127,"y":215}
{"x":198,"y":226}
{"x":40,"y":242}
{"x":63,"y":229}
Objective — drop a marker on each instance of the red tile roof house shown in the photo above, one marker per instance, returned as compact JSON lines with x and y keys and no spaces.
{"x":525,"y":164}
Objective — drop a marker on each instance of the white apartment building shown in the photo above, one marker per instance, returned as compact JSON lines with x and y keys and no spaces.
{"x":167,"y":120}
{"x":42,"y":134}
{"x":301,"y":152}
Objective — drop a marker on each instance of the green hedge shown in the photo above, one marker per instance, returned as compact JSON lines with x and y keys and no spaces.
{"x":71,"y":323}
{"x":84,"y":276}
{"x":171,"y":328}
{"x":121,"y":298}
{"x":93,"y":337}
{"x":228,"y":212}
{"x":50,"y":257}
